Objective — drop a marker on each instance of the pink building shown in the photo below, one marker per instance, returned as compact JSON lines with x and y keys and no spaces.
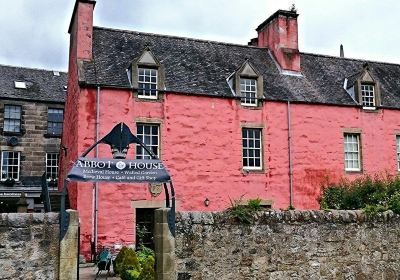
{"x":229,"y":121}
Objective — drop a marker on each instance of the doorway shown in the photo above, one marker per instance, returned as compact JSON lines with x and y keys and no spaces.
{"x":145,"y":227}
{"x":8,"y":205}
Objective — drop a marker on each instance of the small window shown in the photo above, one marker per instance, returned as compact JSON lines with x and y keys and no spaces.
{"x":51,"y":166}
{"x":55,"y":121}
{"x":352,"y":155}
{"x":10,"y":165}
{"x":248,"y":91}
{"x":398,"y":152}
{"x":150,"y":136}
{"x":252,"y":151}
{"x":368,"y":95}
{"x":147,"y":83}
{"x":20,"y":85}
{"x":12,"y":118}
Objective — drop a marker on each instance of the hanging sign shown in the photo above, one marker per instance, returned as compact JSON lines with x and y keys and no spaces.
{"x":10,"y":194}
{"x":118,"y":170}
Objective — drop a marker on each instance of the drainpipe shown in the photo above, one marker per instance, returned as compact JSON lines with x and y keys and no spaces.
{"x":95,"y":191}
{"x":290,"y":156}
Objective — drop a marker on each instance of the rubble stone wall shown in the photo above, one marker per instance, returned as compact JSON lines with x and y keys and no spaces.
{"x":29,"y":246}
{"x":288,"y":245}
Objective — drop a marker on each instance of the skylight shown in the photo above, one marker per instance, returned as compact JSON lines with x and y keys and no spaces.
{"x":21,"y":85}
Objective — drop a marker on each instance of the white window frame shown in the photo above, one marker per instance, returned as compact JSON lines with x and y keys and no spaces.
{"x":18,"y":165}
{"x":141,"y":136}
{"x":11,"y":118}
{"x":348,"y":152}
{"x":369,"y":89}
{"x":52,"y":166}
{"x":148,"y":82}
{"x":245,"y":84}
{"x":398,"y":151}
{"x":253,"y":148}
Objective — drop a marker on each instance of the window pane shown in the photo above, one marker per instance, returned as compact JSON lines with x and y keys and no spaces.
{"x":248,"y":92}
{"x":55,"y":119}
{"x":398,"y":151}
{"x":12,"y":118}
{"x":149,"y":134}
{"x":368,"y":95}
{"x":251,"y":141}
{"x":52,"y":165}
{"x":352,"y":151}
{"x":10,"y":165}
{"x":147,"y":83}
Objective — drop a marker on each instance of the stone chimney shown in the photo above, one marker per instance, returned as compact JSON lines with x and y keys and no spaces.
{"x":81,"y":29}
{"x":279,"y":34}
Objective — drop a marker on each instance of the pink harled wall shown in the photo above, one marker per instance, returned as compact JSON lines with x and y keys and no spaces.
{"x":201,"y":147}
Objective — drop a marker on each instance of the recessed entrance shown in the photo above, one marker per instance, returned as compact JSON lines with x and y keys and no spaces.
{"x":145,"y":227}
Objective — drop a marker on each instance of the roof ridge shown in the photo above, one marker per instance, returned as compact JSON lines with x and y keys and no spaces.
{"x":348,"y":58}
{"x":177,"y":37}
{"x":32,"y":68}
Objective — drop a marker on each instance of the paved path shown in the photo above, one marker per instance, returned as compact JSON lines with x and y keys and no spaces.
{"x":88,"y":272}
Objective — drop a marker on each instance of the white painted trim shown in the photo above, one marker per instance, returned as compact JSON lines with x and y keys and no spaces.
{"x":227,"y":81}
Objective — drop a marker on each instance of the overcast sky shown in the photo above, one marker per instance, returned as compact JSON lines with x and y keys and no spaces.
{"x":34,"y":32}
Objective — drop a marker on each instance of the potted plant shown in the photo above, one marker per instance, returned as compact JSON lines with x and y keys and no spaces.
{"x":9,"y":182}
{"x":52,"y":182}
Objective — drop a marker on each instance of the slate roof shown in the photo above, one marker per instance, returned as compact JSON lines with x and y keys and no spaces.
{"x":202,"y":67}
{"x":42,"y":85}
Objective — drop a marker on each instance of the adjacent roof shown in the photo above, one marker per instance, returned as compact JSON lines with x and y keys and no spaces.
{"x":202,"y":67}
{"x":41,"y":85}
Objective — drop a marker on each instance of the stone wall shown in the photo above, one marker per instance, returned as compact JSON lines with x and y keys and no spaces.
{"x":288,"y":245}
{"x":29,"y":246}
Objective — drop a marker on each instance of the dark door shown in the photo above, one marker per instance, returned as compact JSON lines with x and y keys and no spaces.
{"x":145,"y":227}
{"x":8,"y":205}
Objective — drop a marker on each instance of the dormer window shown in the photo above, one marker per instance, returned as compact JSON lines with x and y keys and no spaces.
{"x":247,"y":84}
{"x":368,"y":95}
{"x":147,"y":83}
{"x":364,"y":88}
{"x":248,"y":91}
{"x":147,"y":76}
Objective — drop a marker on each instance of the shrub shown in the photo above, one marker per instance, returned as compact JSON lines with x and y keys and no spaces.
{"x":244,"y":212}
{"x":135,"y":266}
{"x":126,"y":260}
{"x":374,"y":195}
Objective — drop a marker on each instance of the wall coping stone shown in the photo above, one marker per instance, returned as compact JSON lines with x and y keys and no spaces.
{"x":289,"y":216}
{"x":21,"y":220}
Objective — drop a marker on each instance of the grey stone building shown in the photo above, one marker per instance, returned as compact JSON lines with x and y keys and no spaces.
{"x":31,"y":120}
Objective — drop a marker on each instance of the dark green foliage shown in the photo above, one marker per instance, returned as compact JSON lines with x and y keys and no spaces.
{"x":244,"y":212}
{"x":374,"y":195}
{"x":126,"y":260}
{"x":254,"y":204}
{"x":146,"y":260}
{"x":135,"y":266}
